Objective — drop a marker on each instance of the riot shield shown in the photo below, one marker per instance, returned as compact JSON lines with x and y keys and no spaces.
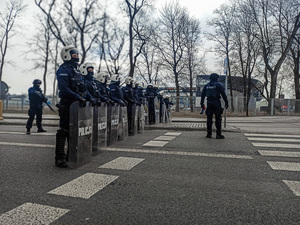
{"x":99,"y":129}
{"x":80,"y":135}
{"x":146,"y":110}
{"x":123,"y":123}
{"x":162,"y":112}
{"x":112,"y":124}
{"x":168,"y":115}
{"x":157,"y":110}
{"x":141,"y":119}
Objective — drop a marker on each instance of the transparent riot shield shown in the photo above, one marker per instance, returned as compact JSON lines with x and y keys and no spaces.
{"x":157,"y":109}
{"x":112,"y":124}
{"x":141,"y":119}
{"x":80,"y":135}
{"x":162,"y":112}
{"x":99,"y":129}
{"x":146,"y":111}
{"x":168,"y":115}
{"x":123,"y":123}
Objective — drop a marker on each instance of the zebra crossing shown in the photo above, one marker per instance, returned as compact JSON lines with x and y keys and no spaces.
{"x":84,"y":187}
{"x":284,"y":147}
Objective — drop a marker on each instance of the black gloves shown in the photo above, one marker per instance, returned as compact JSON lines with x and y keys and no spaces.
{"x":93,"y":102}
{"x":82,"y":102}
{"x":226,"y":105}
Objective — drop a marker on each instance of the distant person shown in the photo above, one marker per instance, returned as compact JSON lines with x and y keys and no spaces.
{"x":36,"y":99}
{"x":213,"y":92}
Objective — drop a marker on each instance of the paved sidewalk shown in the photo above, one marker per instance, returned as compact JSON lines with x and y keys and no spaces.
{"x":264,"y":124}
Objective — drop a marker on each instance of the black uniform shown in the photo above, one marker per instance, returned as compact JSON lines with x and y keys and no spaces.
{"x":213,"y":92}
{"x":116,"y":93}
{"x":36,"y":99}
{"x":130,"y":98}
{"x":150,"y":96}
{"x":93,"y":88}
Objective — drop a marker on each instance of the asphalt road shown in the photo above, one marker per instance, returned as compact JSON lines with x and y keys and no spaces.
{"x":158,"y":177}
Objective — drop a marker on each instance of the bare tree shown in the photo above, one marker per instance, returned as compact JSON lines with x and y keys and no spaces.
{"x":246,"y":49}
{"x":138,"y":35}
{"x":72,"y":26}
{"x":276,"y":34}
{"x":171,"y":42}
{"x":8,"y":18}
{"x":192,"y":33}
{"x":222,"y":25}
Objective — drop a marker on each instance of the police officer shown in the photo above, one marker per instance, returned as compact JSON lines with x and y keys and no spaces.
{"x":116,"y":93}
{"x":150,"y":96}
{"x":213,"y":92}
{"x":168,"y":104}
{"x":137,"y":93}
{"x":72,"y":87}
{"x":103,"y":88}
{"x":130,"y":98}
{"x":36,"y":99}
{"x":87,"y":70}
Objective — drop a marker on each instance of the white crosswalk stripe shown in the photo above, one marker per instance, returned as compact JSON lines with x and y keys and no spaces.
{"x":84,"y":186}
{"x":122,"y":163}
{"x":268,"y":142}
{"x":34,"y":214}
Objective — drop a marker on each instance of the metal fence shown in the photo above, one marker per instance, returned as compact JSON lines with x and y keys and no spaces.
{"x":238,"y":106}
{"x":287,"y":107}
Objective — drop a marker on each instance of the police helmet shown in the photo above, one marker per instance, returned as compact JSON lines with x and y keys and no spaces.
{"x":149,"y":85}
{"x":214,"y":77}
{"x":67,"y":51}
{"x":36,"y":81}
{"x":129,"y":80}
{"x":103,"y":77}
{"x":115,"y":77}
{"x":84,"y":68}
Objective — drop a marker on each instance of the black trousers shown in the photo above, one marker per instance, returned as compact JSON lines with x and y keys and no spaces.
{"x":214,"y":109}
{"x":35,"y":110}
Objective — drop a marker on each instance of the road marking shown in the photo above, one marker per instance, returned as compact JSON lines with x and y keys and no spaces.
{"x":231,"y":156}
{"x":122,"y":163}
{"x":294,"y":186}
{"x":165,"y":138}
{"x":272,"y":135}
{"x":40,"y":134}
{"x":279,"y":153}
{"x":156,"y":143}
{"x":27,"y":145}
{"x":34,"y":214}
{"x":275,"y":145}
{"x":288,"y":166}
{"x":173,"y":133}
{"x":84,"y":186}
{"x":273,"y":139}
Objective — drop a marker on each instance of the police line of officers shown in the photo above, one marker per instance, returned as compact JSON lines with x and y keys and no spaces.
{"x":79,"y":84}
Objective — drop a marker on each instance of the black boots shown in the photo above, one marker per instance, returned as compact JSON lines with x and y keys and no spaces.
{"x":41,"y":130}
{"x":28,"y":131}
{"x":60,"y":156}
{"x":220,"y":136}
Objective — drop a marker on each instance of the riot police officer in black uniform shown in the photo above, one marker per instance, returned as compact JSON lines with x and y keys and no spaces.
{"x":36,"y":99}
{"x":116,"y":93}
{"x":72,"y":87}
{"x":102,"y":84}
{"x":130,"y":98}
{"x":213,"y":92}
{"x":137,"y":93}
{"x":87,"y":70}
{"x":150,"y":96}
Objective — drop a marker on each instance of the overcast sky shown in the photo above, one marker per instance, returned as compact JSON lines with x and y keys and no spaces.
{"x":19,"y":76}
